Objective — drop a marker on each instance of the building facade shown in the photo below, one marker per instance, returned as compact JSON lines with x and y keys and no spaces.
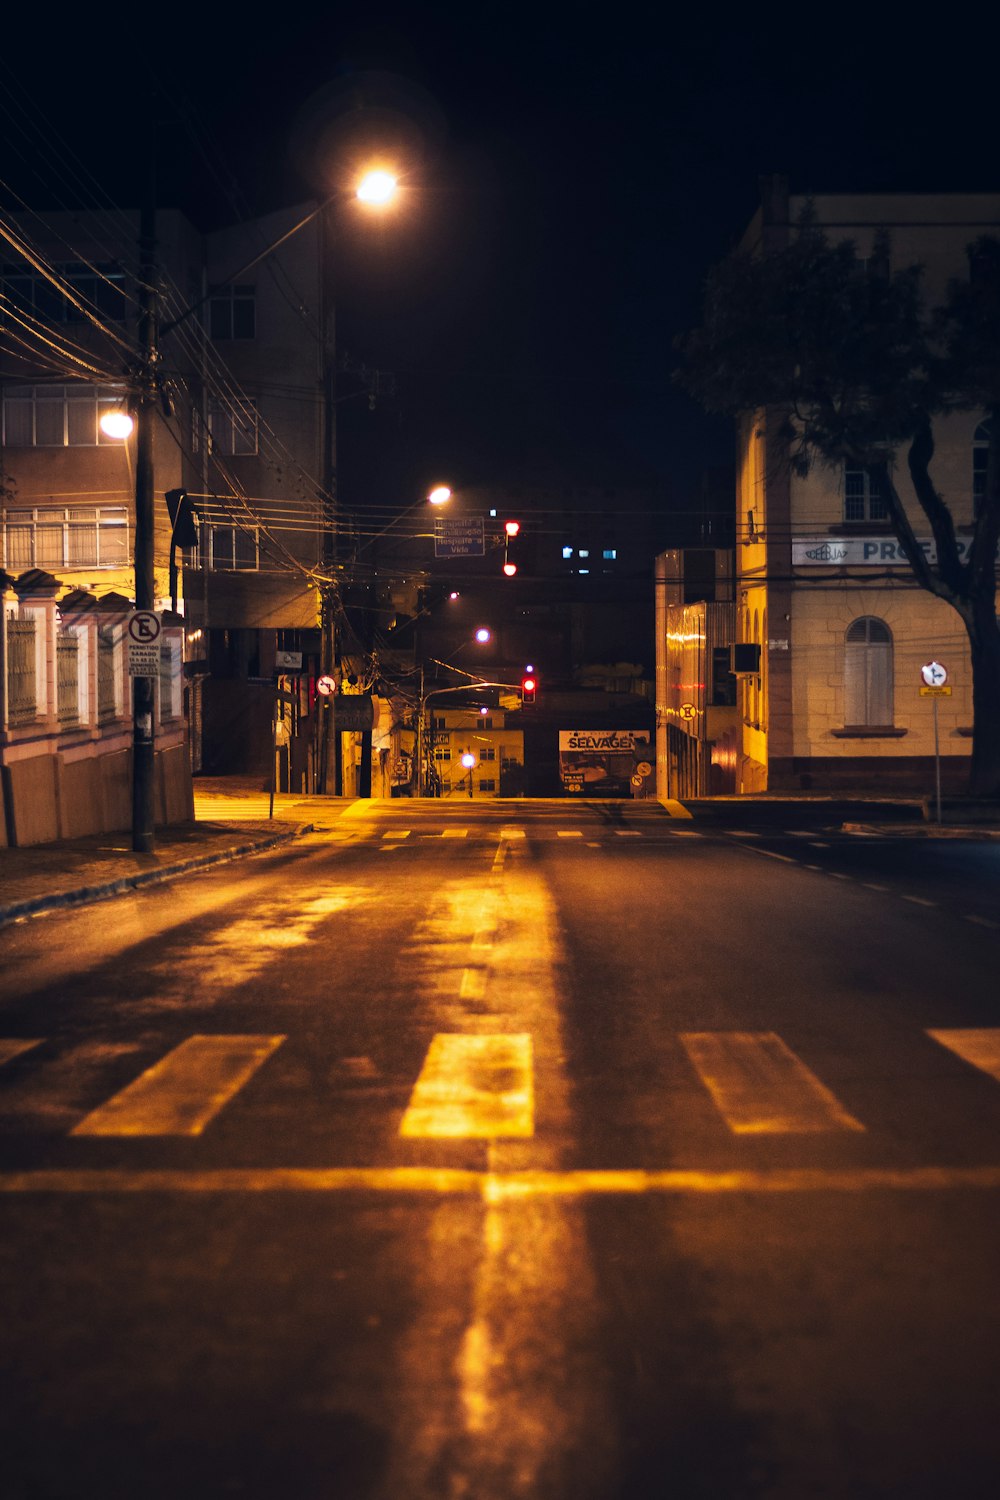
{"x":242,"y":428}
{"x":829,"y":695}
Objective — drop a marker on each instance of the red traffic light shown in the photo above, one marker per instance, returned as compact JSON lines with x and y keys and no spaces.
{"x":528,"y":686}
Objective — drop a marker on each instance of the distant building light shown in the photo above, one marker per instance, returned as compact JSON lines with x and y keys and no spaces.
{"x":567,"y":552}
{"x":610,"y":553}
{"x":584,"y":551}
{"x":581,"y":571}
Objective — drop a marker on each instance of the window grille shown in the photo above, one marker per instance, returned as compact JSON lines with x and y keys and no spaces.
{"x":75,"y":536}
{"x":863,"y":501}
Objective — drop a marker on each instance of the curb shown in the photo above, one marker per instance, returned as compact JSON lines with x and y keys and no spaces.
{"x":84,"y":895}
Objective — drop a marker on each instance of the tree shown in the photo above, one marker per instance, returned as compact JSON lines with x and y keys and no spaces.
{"x":855,"y":367}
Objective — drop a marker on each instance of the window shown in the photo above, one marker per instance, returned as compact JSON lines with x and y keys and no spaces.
{"x":487,"y":784}
{"x":230,"y":549}
{"x":233,"y":429}
{"x":488,"y":752}
{"x":862,"y":500}
{"x":75,"y":536}
{"x":567,"y":552}
{"x":232,"y":312}
{"x":980,"y":461}
{"x":101,"y":286}
{"x":868,"y":674}
{"x":442,"y":752}
{"x":58,"y":416}
{"x":610,"y":554}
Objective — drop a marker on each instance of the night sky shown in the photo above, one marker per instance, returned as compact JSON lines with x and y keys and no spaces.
{"x":578,"y":172}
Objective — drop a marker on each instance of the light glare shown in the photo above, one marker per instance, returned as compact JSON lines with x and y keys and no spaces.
{"x":117,"y":424}
{"x":439,"y":494}
{"x":377,"y":187}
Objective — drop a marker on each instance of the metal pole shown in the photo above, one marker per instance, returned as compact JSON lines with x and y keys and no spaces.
{"x":937,"y":762}
{"x":143,"y":752}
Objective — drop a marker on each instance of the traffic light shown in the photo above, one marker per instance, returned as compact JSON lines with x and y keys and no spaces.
{"x":184,"y":531}
{"x":529,"y":689}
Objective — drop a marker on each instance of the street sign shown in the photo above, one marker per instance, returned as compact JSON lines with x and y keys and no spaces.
{"x":687,"y":710}
{"x":934,"y":674}
{"x":935,"y":692}
{"x":326,"y":686}
{"x":287,"y":662}
{"x":143,"y":632}
{"x":644,"y":768}
{"x":459,"y":538}
{"x":354,"y":712}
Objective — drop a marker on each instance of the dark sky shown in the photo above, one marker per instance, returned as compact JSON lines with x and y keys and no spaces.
{"x":581,"y":170}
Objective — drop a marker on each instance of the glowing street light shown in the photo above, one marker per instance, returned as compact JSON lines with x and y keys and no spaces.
{"x":117,"y":424}
{"x":377,"y":187}
{"x":483,"y":635}
{"x":439,"y":495}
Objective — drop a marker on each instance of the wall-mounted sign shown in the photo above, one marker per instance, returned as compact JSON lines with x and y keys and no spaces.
{"x":864,"y":551}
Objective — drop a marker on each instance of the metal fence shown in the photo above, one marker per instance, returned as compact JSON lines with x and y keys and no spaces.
{"x":67,"y":677}
{"x":22,"y":698}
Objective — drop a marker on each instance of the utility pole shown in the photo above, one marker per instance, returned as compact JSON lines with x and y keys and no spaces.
{"x":144,"y":399}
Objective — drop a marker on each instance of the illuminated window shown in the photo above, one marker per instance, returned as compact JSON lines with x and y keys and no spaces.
{"x":85,"y":536}
{"x":868,"y":673}
{"x":58,"y":416}
{"x":610,"y":554}
{"x":567,"y":552}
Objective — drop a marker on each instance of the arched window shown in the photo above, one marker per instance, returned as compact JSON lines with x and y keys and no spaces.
{"x":980,"y":460}
{"x":868,"y":673}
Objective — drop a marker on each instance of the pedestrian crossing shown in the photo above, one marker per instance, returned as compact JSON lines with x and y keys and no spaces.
{"x":483,"y":1086}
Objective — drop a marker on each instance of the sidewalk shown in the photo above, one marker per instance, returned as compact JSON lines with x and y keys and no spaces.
{"x":231,"y":820}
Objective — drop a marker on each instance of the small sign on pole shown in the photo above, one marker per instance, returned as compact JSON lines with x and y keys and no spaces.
{"x":934,"y":677}
{"x":143,"y":636}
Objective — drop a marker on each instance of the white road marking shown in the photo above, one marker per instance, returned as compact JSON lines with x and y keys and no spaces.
{"x":512,"y":833}
{"x":454,"y":833}
{"x":979,"y":1046}
{"x":919,"y":901}
{"x":398,"y":833}
{"x":473,"y":1087}
{"x":569,"y":833}
{"x":760,"y":1087}
{"x":628,"y":833}
{"x":181,"y":1093}
{"x":11,"y":1047}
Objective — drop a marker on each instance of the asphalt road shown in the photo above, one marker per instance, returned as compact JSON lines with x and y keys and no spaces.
{"x":552,"y":1151}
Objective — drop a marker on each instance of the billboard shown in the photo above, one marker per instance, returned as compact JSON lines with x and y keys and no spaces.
{"x":601,"y":762}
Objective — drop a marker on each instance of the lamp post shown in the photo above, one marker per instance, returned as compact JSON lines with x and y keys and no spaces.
{"x":377,"y":189}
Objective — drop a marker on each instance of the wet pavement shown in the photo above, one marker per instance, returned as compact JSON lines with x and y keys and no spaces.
{"x":235,"y":818}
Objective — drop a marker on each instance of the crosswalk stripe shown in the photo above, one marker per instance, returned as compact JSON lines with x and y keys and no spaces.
{"x":473,"y":1087}
{"x":181,"y":1093}
{"x":397,"y":833}
{"x":760,"y":1087}
{"x":979,"y":1046}
{"x":455,"y":833}
{"x":512,"y":833}
{"x":11,"y":1047}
